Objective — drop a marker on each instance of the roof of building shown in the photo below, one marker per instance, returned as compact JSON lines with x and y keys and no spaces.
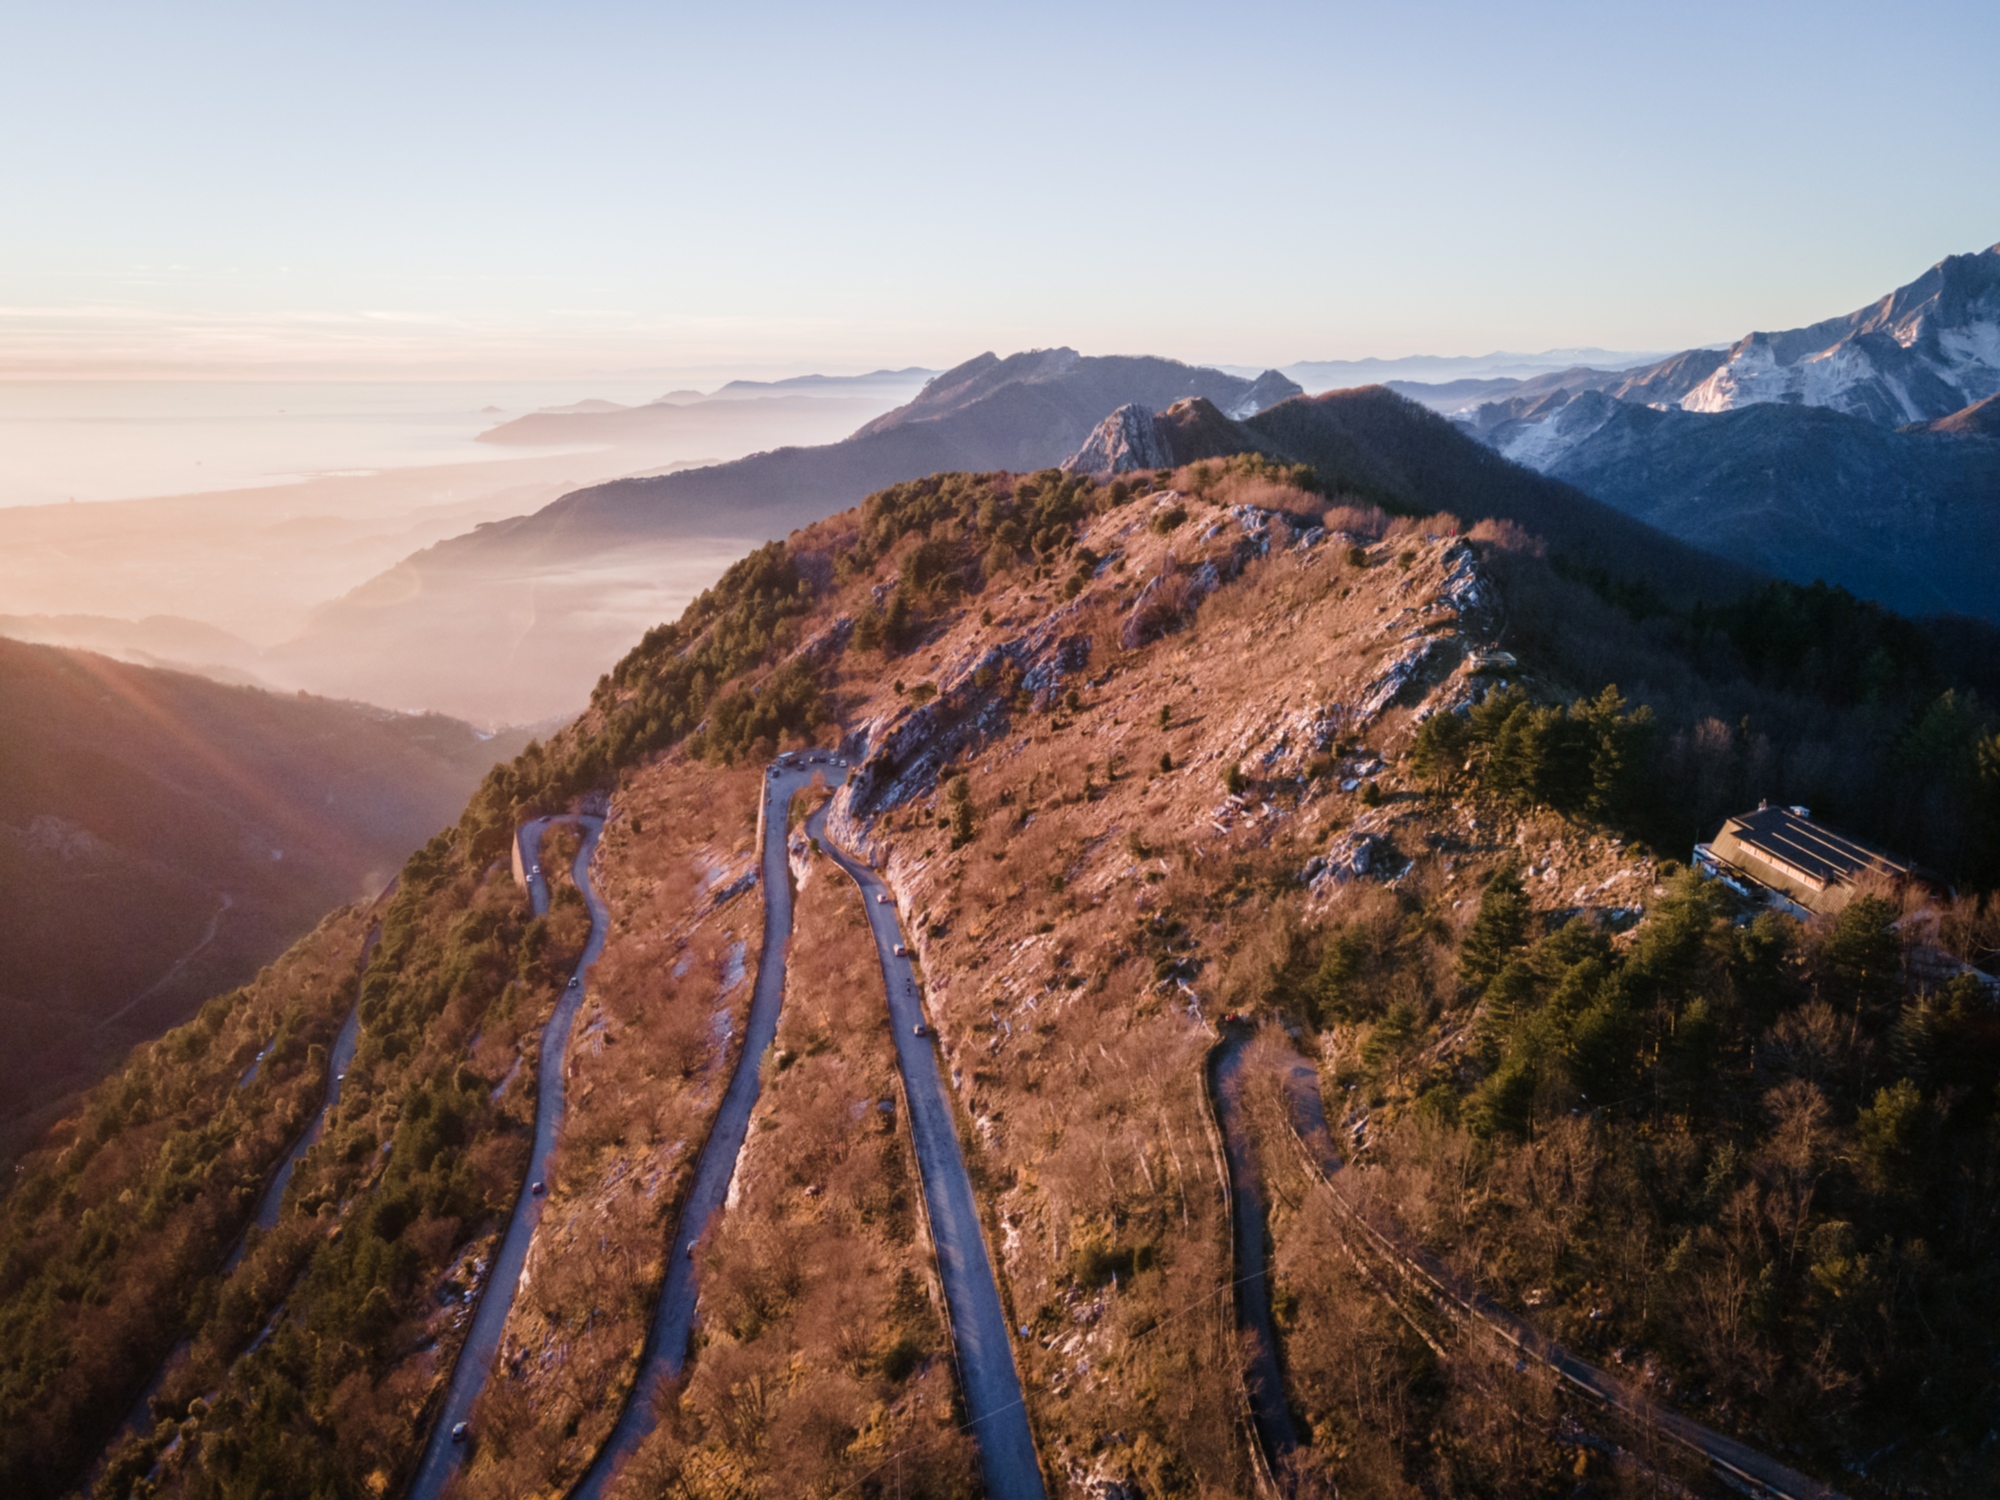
{"x":1790,"y":836}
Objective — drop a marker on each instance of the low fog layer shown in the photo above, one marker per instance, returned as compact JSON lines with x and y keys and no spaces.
{"x":287,"y":586}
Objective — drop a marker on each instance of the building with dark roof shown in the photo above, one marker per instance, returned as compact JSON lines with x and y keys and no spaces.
{"x":1785,"y":856}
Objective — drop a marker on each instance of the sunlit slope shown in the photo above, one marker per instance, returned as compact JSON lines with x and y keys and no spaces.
{"x":1132,"y":756}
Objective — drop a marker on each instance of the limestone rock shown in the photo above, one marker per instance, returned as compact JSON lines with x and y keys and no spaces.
{"x":1128,"y":439}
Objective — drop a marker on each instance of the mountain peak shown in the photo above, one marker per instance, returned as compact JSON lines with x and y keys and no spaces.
{"x":1923,"y":351}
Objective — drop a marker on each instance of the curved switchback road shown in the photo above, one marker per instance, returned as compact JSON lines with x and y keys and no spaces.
{"x":997,"y":1412}
{"x":1740,"y":1466}
{"x":140,"y":1417}
{"x":475,"y":1359}
{"x":673,"y":1318}
{"x":1263,"y":1378}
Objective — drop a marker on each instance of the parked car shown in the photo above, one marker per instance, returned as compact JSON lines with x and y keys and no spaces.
{"x":460,"y":1431}
{"x":901,"y":951}
{"x":539,"y":1188}
{"x":920,"y":1029}
{"x":881,"y":898}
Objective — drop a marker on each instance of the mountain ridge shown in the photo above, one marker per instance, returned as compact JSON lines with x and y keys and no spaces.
{"x":1200,"y":750}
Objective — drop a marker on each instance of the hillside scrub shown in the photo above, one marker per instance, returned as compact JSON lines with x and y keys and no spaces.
{"x":1798,"y":694}
{"x":1764,"y":1155}
{"x":1097,"y":888}
{"x":119,"y":1222}
{"x":821,"y":1362}
{"x":1392,"y":1399}
{"x":406,"y":1191}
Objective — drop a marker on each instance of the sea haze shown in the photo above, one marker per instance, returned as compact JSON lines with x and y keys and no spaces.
{"x":129,"y":439}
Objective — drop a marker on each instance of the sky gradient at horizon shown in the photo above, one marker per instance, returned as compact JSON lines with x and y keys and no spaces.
{"x":448,"y":189}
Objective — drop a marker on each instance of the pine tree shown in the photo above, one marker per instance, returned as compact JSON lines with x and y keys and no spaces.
{"x":896,"y":627}
{"x":1500,"y":928}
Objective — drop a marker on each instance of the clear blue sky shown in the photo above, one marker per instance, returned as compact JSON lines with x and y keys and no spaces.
{"x":427,"y":187}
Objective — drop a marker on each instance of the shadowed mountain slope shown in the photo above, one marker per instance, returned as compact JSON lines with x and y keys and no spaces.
{"x":161,"y":835}
{"x":1906,"y":518}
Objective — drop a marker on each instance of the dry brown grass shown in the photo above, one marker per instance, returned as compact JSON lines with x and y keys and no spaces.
{"x":821,"y":1362}
{"x":1074,"y":947}
{"x":660,"y":1027}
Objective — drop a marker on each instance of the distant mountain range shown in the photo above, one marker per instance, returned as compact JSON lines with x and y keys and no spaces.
{"x":1501,"y":368}
{"x":1027,"y":411}
{"x":512,"y":621}
{"x":1854,"y":451}
{"x":1862,"y":449}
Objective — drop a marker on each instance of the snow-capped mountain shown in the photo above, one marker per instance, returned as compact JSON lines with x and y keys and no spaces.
{"x":1921,"y":353}
{"x":1857,"y":450}
{"x":1924,"y":351}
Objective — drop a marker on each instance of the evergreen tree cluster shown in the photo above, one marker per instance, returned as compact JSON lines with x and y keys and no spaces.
{"x":1587,"y":759}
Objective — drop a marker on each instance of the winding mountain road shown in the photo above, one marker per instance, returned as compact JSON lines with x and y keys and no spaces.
{"x":1742,"y":1467}
{"x":666,"y":1348}
{"x":442,"y":1456}
{"x":995,"y":1407}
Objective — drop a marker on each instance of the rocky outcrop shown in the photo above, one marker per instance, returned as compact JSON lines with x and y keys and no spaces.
{"x":1128,"y":439}
{"x":1191,"y":429}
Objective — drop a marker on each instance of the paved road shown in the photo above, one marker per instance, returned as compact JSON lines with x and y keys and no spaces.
{"x":998,"y":1415}
{"x":673,"y":1318}
{"x":442,"y":1456}
{"x":1742,"y":1466}
{"x":1262,"y":1377}
{"x":337,"y":1064}
{"x":140,"y":1417}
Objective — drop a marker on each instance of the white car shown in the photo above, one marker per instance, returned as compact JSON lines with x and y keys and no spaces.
{"x":881,"y":898}
{"x":920,"y":1029}
{"x":901,"y":951}
{"x":460,"y":1431}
